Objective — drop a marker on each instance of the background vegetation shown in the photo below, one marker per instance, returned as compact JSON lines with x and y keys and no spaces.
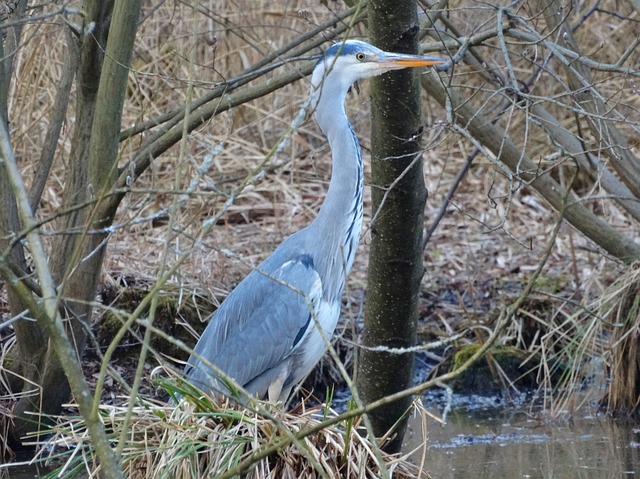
{"x":216,"y":167}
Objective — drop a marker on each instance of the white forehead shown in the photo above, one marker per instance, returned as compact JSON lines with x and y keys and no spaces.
{"x":339,"y":58}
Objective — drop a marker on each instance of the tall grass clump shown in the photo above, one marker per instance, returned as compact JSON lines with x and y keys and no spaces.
{"x":622,"y":313}
{"x":591,"y":354}
{"x":208,"y":437}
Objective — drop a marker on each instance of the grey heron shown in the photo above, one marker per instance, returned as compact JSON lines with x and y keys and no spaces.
{"x":268,"y":333}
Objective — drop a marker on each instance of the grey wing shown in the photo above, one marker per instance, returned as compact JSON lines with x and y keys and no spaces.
{"x":259,"y":325}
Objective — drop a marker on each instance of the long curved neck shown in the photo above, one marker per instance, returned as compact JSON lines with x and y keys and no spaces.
{"x":339,"y":220}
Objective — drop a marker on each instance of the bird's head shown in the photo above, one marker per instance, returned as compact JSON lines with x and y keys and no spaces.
{"x":352,"y":60}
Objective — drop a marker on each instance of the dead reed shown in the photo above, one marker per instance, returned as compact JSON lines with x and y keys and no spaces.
{"x":621,"y":310}
{"x":205,"y":437}
{"x":488,"y":243}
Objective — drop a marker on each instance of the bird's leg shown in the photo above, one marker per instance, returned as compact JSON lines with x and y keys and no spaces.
{"x":275,"y":388}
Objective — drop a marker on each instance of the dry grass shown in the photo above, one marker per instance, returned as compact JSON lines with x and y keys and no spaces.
{"x":490,"y":239}
{"x":621,"y":312}
{"x":203,"y":437}
{"x":594,"y":350}
{"x":493,"y":229}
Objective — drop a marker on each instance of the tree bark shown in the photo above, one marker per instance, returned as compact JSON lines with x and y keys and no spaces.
{"x":29,"y":334}
{"x":78,"y":251}
{"x":66,"y":248}
{"x":399,"y":195}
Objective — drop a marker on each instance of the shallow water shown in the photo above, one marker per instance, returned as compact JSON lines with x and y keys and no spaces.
{"x":21,"y":472}
{"x":482,"y":439}
{"x":20,"y":469}
{"x":508,"y":443}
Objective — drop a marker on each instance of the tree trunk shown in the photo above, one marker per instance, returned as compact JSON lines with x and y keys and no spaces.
{"x":77,"y":254}
{"x":29,"y":335}
{"x":399,"y":195}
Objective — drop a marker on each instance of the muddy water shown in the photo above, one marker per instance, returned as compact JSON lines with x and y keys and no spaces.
{"x":503,"y":443}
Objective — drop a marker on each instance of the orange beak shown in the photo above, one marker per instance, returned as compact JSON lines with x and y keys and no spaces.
{"x":398,"y":60}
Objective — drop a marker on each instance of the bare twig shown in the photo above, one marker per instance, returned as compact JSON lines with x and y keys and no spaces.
{"x":613,"y":143}
{"x":520,"y":164}
{"x":58,"y":115}
{"x":282,"y":56}
{"x":447,"y":198}
{"x":47,"y":315}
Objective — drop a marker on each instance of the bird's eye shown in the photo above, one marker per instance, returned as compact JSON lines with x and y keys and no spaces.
{"x":360,"y":56}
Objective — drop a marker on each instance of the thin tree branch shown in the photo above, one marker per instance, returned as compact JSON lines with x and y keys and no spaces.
{"x":612,"y":143}
{"x":445,"y":202}
{"x":570,"y":144}
{"x":47,"y":314}
{"x":506,"y":152}
{"x":530,"y":38}
{"x":58,"y":114}
{"x":283,"y":55}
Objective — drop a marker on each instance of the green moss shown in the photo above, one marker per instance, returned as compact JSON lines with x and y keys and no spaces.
{"x":175,"y":315}
{"x":550,"y":284}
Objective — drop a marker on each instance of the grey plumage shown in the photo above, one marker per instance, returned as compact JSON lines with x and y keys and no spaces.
{"x":264,"y":335}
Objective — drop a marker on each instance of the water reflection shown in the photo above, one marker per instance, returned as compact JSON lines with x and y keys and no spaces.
{"x":506,"y":443}
{"x":500,"y":444}
{"x":13,"y":471}
{"x":21,"y":468}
